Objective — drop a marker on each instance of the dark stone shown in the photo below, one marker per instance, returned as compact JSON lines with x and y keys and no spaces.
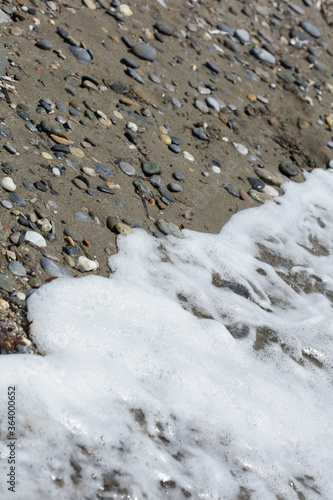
{"x":288,"y":169}
{"x":105,"y":189}
{"x":256,"y":183}
{"x":17,"y":200}
{"x":129,"y":63}
{"x":200,"y":134}
{"x":232,"y":191}
{"x":119,"y":88}
{"x":212,"y":67}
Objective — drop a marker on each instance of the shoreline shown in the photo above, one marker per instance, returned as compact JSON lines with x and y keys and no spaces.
{"x":203,"y":91}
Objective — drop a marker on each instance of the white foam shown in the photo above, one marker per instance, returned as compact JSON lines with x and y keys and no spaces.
{"x":141,"y":370}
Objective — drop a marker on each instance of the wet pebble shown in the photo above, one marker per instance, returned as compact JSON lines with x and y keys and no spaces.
{"x":168,"y":228}
{"x":50,"y":267}
{"x":256,"y":183}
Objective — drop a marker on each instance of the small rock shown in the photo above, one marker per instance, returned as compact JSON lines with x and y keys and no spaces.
{"x":288,"y":169}
{"x":17,"y":269}
{"x":8,"y":184}
{"x":44,"y":44}
{"x":86,"y":264}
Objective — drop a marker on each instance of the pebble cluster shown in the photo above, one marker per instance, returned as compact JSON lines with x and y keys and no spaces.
{"x":151,"y":116}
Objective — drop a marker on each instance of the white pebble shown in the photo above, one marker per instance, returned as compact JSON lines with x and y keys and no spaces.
{"x":8,"y":184}
{"x":35,"y":238}
{"x":216,"y":169}
{"x":270,"y":190}
{"x":240,"y":148}
{"x":188,"y":156}
{"x":56,"y":171}
{"x":132,"y":126}
{"x":87,"y":264}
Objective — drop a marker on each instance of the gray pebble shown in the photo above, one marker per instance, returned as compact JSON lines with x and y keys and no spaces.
{"x":80,"y":54}
{"x":126,"y":168}
{"x":154,"y":78}
{"x":311,"y":29}
{"x":199,"y":133}
{"x":17,"y":269}
{"x":44,"y":44}
{"x":164,"y":28}
{"x":263,"y":55}
{"x":168,"y":228}
{"x":5,"y":284}
{"x":174,"y":187}
{"x":7,"y":204}
{"x":54,"y":269}
{"x":17,"y":200}
{"x":288,"y":169}
{"x":145,"y":52}
{"x":82,"y":217}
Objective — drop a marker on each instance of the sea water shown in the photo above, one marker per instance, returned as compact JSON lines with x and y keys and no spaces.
{"x":202,"y":368}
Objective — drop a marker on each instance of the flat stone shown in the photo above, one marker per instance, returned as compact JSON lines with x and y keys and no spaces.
{"x":225,"y":29}
{"x":288,"y":169}
{"x":17,"y":200}
{"x":311,"y":29}
{"x":24,"y":115}
{"x":5,"y":284}
{"x":240,"y":148}
{"x":101,"y":169}
{"x":164,"y":28}
{"x":232,"y":191}
{"x":168,"y":228}
{"x":44,"y":44}
{"x":17,"y":269}
{"x":157,"y":181}
{"x":259,"y":196}
{"x":154,"y":78}
{"x":256,"y":183}
{"x":75,"y":235}
{"x":3,"y":62}
{"x":127,"y":169}
{"x":242,"y":35}
{"x":213,"y":103}
{"x":145,"y":52}
{"x":178,"y":176}
{"x":53,"y":269}
{"x":35,"y":238}
{"x":82,"y":217}
{"x":263,"y":55}
{"x":199,"y":133}
{"x":80,"y":54}
{"x":174,"y":187}
{"x":4,"y":130}
{"x":151,"y":168}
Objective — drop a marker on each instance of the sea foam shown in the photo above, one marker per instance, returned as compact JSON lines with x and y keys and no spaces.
{"x":202,"y":367}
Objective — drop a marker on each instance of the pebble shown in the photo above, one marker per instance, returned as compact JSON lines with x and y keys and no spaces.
{"x":126,"y":168}
{"x":164,"y":28}
{"x":242,"y":35}
{"x":145,"y":52}
{"x":240,"y":148}
{"x":256,"y":183}
{"x":270,"y":177}
{"x":168,"y":228}
{"x":17,"y":269}
{"x":174,"y":187}
{"x":151,"y":168}
{"x":35,"y":238}
{"x":5,"y":131}
{"x":80,"y":54}
{"x":199,"y":133}
{"x":259,"y":196}
{"x":44,"y":44}
{"x":263,"y":55}
{"x":86,"y":264}
{"x":5,"y":284}
{"x":311,"y":29}
{"x":157,"y":181}
{"x":288,"y":169}
{"x":8,"y":184}
{"x":6,"y":204}
{"x":17,"y":200}
{"x":101,"y":169}
{"x":53,"y":269}
{"x":82,"y":217}
{"x":232,"y":191}
{"x":212,"y":103}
